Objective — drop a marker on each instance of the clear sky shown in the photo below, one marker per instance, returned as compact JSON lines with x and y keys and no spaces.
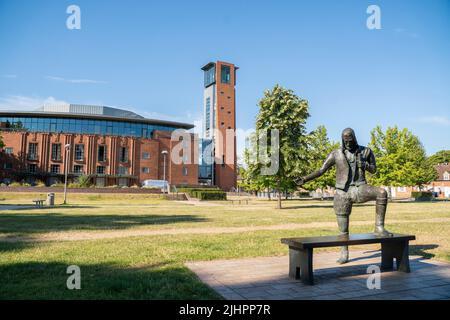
{"x":146,"y":56}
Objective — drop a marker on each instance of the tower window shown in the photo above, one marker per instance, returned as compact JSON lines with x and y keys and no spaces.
{"x":225,"y":74}
{"x":208,"y":114}
{"x":210,"y":76}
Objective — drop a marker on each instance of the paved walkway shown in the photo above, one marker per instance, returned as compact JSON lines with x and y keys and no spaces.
{"x":266,"y":278}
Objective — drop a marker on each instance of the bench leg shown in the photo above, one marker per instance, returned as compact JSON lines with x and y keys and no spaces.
{"x":306,"y":267}
{"x":301,"y":265}
{"x":397,"y":250}
{"x":294,"y":264}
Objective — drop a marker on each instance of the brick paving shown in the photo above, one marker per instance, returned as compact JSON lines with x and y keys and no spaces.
{"x":267,"y":278}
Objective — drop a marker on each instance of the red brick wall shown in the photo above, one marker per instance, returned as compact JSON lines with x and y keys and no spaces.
{"x":226,"y":119}
{"x":136,"y":147}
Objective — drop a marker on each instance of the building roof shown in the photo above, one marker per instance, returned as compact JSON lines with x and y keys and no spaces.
{"x":441,"y":169}
{"x":92,"y":112}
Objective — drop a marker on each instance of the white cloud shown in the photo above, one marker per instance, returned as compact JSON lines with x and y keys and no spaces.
{"x":439,"y":120}
{"x":9,"y":76}
{"x":406,"y":33}
{"x":24,"y":103}
{"x":53,"y":78}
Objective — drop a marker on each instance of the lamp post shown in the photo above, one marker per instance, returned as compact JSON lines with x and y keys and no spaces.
{"x":66,"y":163}
{"x":164,"y":153}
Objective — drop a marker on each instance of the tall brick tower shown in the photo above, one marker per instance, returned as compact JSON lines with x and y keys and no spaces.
{"x":219,"y":124}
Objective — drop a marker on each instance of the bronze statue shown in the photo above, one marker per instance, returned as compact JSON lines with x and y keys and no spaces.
{"x":352,"y":161}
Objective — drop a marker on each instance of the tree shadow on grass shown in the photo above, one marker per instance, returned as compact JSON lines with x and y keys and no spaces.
{"x":35,"y":280}
{"x":56,"y":221}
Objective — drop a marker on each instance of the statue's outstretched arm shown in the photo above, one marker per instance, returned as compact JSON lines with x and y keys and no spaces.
{"x":327,"y":164}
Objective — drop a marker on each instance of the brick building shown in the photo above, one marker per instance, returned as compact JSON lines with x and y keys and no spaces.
{"x":219,"y":124}
{"x":113,"y":146}
{"x":441,"y":186}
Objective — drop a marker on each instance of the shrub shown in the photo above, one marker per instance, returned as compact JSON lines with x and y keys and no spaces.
{"x":39,"y":183}
{"x":422,"y":195}
{"x":74,"y":185}
{"x":211,"y":195}
{"x":57,"y":185}
{"x":84,"y":181}
{"x":15,"y":184}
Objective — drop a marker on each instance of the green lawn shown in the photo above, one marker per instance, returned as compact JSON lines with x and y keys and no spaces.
{"x":152,"y":266}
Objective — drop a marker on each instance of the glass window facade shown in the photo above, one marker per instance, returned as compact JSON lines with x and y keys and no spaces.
{"x":101,"y":153}
{"x":77,"y":169}
{"x":145,"y":155}
{"x":83,"y":126}
{"x":56,"y":151}
{"x":54,"y":168}
{"x":208,"y":115}
{"x":32,"y":151}
{"x":210,"y":76}
{"x":123,"y":170}
{"x":79,"y":152}
{"x":225,"y":74}
{"x":123,"y":154}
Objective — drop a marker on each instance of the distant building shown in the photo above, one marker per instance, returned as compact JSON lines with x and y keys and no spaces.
{"x":441,"y":187}
{"x":113,"y":146}
{"x":119,"y":147}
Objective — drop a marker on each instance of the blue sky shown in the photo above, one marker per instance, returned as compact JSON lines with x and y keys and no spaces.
{"x":146,"y":56}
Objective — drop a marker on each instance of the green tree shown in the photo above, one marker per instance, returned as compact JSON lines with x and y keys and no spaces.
{"x":442,"y":156}
{"x":401,"y":159}
{"x":320,"y":147}
{"x":2,"y":144}
{"x":280,"y":109}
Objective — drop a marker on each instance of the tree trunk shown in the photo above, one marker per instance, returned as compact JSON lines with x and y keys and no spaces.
{"x":321,"y":194}
{"x":279,"y":195}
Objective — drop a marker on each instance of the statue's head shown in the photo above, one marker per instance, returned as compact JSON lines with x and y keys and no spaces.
{"x":349,"y":141}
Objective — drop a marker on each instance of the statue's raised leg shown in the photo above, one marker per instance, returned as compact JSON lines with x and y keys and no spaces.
{"x":381,"y":206}
{"x":343,"y":222}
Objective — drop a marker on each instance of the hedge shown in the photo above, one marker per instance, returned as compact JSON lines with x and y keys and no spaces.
{"x":211,"y":195}
{"x":422,"y":195}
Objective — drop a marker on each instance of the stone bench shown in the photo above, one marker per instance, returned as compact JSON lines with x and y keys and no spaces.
{"x":39,"y":203}
{"x":301,"y":251}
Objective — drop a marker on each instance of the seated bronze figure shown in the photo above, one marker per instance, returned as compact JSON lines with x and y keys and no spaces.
{"x":352,"y":161}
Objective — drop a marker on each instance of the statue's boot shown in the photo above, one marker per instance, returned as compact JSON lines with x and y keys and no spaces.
{"x":343,"y":222}
{"x":381,"y":206}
